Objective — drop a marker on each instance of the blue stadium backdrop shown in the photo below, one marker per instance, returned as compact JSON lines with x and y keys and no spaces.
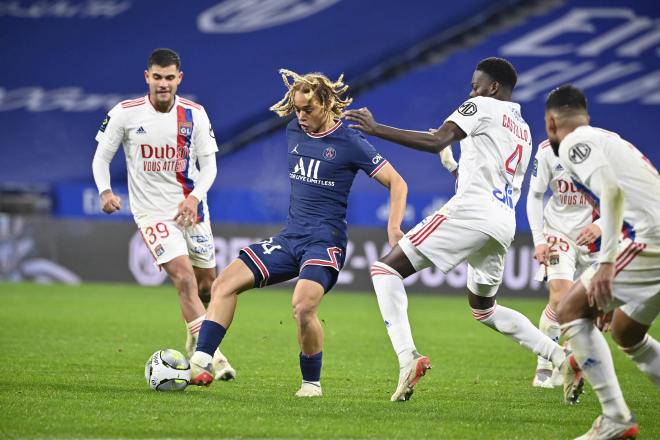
{"x":66,"y":62}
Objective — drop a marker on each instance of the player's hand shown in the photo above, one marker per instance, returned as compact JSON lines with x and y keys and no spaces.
{"x":394,"y":234}
{"x":541,"y":253}
{"x":364,"y":120}
{"x":588,"y":235}
{"x":187,"y":212}
{"x":600,"y":289}
{"x":604,"y":321}
{"x":110,"y":202}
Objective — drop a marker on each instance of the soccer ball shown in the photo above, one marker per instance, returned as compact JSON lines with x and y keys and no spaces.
{"x":167,"y":370}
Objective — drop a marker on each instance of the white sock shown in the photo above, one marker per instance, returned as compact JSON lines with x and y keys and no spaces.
{"x":550,"y":327}
{"x":193,"y":334}
{"x":393,"y":304}
{"x":516,"y":326}
{"x":201,"y":358}
{"x":646,"y":355}
{"x":595,"y":359}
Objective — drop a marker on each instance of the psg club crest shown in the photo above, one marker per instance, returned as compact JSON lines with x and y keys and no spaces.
{"x":329,"y":153}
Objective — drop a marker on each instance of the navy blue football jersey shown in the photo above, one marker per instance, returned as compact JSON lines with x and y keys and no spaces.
{"x":322,"y":168}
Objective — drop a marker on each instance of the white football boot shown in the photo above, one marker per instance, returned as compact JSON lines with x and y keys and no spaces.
{"x":557,"y":380}
{"x":409,"y":375}
{"x":309,"y":389}
{"x":543,"y":378}
{"x":573,"y":380}
{"x":606,"y":428}
{"x":201,"y":375}
{"x":223,"y":370}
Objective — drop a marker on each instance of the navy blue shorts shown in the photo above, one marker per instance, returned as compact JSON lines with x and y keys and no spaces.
{"x":317,"y":257}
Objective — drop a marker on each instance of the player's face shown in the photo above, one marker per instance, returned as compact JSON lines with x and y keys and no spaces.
{"x":551,"y":131}
{"x":163,"y":82}
{"x":311,"y":115}
{"x":482,"y":85}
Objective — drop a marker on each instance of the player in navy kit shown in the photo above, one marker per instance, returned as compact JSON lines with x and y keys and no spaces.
{"x":324,"y":157}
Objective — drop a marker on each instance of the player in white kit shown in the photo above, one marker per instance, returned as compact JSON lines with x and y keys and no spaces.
{"x":164,"y":136}
{"x":477,"y":224}
{"x":565,"y":235}
{"x":625,"y":188}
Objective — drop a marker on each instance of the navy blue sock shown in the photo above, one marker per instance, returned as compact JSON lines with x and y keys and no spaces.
{"x":210,"y":336}
{"x":310,"y":366}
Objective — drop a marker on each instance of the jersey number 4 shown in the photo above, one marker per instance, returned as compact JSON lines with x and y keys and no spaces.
{"x":511,"y":164}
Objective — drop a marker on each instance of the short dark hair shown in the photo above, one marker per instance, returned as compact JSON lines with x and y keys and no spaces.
{"x":500,"y":70}
{"x":164,"y":57}
{"x":568,"y":97}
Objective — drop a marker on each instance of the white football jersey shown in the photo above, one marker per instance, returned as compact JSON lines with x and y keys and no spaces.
{"x":589,"y":148}
{"x":161,"y":153}
{"x":568,"y":210}
{"x":494,"y":157}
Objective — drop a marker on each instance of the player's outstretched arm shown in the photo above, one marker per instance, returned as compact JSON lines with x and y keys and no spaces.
{"x":611,"y":209}
{"x":432,"y":142}
{"x":389,"y":178}
{"x":101,"y":170}
{"x":535,"y":218}
{"x":187,"y":210}
{"x":447,"y":158}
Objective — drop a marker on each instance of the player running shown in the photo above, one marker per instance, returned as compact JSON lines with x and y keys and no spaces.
{"x":477,"y":224}
{"x":324,"y":157}
{"x":625,"y":187}
{"x":164,"y":136}
{"x":566,"y":243}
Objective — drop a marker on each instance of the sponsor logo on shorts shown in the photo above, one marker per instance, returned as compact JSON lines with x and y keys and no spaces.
{"x":159,"y":250}
{"x":202,"y":249}
{"x":200,"y":238}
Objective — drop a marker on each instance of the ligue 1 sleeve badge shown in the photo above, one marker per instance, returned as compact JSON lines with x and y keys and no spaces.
{"x":104,"y":124}
{"x":329,"y":153}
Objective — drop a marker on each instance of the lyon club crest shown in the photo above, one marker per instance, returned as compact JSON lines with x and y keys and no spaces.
{"x":329,"y":153}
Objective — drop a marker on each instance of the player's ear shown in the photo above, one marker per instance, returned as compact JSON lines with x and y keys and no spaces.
{"x":493,"y":88}
{"x":180,"y":77}
{"x":550,"y":123}
{"x":146,"y":76}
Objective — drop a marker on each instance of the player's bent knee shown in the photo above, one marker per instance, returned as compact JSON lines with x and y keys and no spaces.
{"x":222,"y":287}
{"x":303,"y":311}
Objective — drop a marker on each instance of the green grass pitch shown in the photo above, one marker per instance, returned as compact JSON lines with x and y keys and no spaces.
{"x":73,"y":361}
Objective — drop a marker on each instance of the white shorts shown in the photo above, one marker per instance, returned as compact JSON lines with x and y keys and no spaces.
{"x":637,"y":280}
{"x":567,"y":260}
{"x":167,"y":240}
{"x":446,"y":242}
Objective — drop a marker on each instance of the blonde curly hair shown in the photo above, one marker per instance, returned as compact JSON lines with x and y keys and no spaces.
{"x":313,"y":85}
